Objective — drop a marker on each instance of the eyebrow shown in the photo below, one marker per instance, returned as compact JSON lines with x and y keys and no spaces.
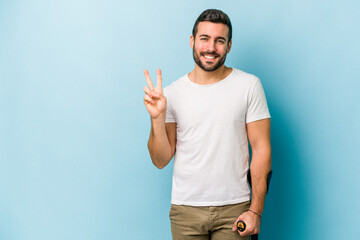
{"x":221,"y":38}
{"x":204,"y":35}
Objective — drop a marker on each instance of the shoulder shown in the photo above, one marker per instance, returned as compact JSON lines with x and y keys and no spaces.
{"x":244,"y":76}
{"x":175,"y":86}
{"x":244,"y":79}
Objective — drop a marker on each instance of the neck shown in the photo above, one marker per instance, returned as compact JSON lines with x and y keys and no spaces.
{"x":200,"y":76}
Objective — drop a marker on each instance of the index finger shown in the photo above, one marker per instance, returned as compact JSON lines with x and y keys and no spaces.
{"x":148,"y":79}
{"x":159,"y":79}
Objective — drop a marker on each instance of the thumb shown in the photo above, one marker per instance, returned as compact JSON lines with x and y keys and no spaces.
{"x":234,"y":228}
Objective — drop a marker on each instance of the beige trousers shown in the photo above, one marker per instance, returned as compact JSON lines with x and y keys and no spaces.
{"x":204,"y":223}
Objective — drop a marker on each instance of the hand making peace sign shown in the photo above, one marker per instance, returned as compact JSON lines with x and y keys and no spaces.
{"x":154,"y":99}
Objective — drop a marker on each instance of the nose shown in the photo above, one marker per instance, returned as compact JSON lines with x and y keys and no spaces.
{"x":211,"y":46}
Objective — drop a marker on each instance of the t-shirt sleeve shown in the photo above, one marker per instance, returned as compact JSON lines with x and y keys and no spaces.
{"x":170,"y":118}
{"x":257,"y":105}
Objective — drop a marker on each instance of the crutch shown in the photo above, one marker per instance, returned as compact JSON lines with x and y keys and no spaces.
{"x":241,"y":225}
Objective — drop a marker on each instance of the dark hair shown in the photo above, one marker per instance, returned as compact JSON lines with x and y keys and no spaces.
{"x":214,"y":16}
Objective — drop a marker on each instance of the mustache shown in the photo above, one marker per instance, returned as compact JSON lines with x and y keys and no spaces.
{"x":210,"y":53}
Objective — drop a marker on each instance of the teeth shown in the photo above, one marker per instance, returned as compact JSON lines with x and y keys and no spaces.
{"x":209,"y":57}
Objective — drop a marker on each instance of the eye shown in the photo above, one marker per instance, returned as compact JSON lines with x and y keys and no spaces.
{"x":221,"y":41}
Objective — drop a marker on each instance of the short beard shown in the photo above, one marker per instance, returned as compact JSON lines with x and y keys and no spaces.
{"x":210,"y":68}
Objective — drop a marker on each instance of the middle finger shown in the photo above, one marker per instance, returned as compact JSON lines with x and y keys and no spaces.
{"x":148,"y":79}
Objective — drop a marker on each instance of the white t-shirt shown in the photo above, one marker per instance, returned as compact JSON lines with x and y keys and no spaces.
{"x":212,"y":155}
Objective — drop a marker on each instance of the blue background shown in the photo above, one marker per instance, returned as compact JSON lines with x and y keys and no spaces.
{"x":73,"y":129}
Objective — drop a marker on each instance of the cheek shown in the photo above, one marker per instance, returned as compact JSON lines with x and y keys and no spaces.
{"x":225,"y":50}
{"x":221,"y":51}
{"x":198,"y":46}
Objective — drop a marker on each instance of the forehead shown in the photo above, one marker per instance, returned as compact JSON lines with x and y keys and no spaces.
{"x":213,"y":29}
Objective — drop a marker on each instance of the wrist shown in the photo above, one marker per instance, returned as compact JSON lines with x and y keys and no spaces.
{"x":254,"y":212}
{"x":159,"y":119}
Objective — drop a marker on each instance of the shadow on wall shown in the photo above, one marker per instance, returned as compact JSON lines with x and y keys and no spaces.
{"x":287,"y":202}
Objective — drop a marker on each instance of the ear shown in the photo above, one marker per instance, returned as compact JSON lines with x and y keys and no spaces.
{"x":229,"y":46}
{"x":192,"y":39}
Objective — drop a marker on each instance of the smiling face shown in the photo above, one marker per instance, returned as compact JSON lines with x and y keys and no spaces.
{"x":210,"y":45}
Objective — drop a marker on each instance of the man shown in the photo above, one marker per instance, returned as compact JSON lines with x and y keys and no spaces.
{"x":206,"y":119}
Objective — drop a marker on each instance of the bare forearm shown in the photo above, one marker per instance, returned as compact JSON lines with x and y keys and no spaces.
{"x":259,"y":168}
{"x":259,"y":138}
{"x":159,"y":146}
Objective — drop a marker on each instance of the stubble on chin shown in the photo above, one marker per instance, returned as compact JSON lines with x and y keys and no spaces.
{"x":210,"y":68}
